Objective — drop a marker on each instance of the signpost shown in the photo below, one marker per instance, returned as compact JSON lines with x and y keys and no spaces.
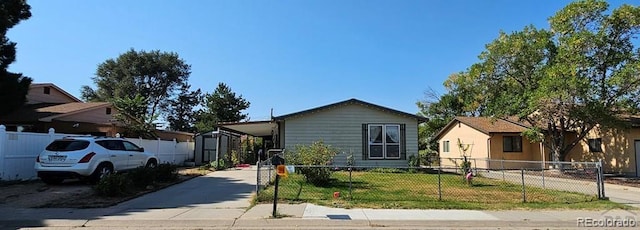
{"x":278,"y":161}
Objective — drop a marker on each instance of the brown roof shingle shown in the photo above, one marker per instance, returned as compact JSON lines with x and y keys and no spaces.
{"x":489,"y":125}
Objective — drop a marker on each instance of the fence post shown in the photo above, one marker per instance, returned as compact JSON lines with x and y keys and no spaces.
{"x":52,"y":134}
{"x":439,"y":183}
{"x":524,"y":191}
{"x":350,"y":184}
{"x":475,"y":167}
{"x":502,"y":165}
{"x":543,"y":185}
{"x":175,"y":145}
{"x":258,"y":177}
{"x":3,"y":143}
{"x":601,"y":173}
{"x":598,"y":178}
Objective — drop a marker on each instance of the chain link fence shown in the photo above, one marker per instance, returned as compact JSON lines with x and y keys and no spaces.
{"x":265,"y":174}
{"x":477,"y":182}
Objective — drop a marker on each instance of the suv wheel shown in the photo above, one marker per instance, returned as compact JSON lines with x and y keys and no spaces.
{"x":52,"y":180}
{"x":102,"y":171}
{"x":151,"y":164}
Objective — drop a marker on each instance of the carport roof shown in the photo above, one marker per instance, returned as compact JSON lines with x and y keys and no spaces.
{"x":253,"y":128}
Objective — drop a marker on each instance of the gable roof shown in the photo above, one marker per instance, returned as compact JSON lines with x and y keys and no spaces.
{"x":48,"y":111}
{"x":485,"y":125}
{"x":348,"y":102}
{"x":42,"y":85}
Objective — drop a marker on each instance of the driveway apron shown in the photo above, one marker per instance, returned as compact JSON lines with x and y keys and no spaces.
{"x":219,"y":194}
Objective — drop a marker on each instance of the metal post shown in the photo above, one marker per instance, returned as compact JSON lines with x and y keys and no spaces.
{"x":350,"y":184}
{"x":543,"y":185}
{"x":502,"y":165}
{"x":524,"y":191}
{"x":439,"y":183}
{"x":601,"y":178}
{"x":275,"y":197}
{"x":475,"y":167}
{"x":258,"y":181}
{"x":598,"y":178}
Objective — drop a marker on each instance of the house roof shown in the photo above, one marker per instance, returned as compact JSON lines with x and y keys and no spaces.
{"x":48,"y":111}
{"x":486,"y":125}
{"x":40,"y":85}
{"x":348,"y":102}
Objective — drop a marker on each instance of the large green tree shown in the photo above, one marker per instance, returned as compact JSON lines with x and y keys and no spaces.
{"x":582,"y":72}
{"x":159,"y":78}
{"x":221,"y":106}
{"x":182,"y":116}
{"x":13,"y":86}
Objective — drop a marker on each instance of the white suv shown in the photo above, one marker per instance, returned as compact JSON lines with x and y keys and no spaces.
{"x":89,"y":158}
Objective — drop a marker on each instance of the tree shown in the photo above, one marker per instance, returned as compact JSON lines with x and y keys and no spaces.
{"x":581,"y":73}
{"x":158,"y":77}
{"x":221,"y":106}
{"x":13,"y":86}
{"x":133,"y":114}
{"x":182,"y":116}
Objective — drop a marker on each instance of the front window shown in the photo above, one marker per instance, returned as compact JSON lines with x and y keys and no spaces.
{"x":595,"y":145}
{"x":384,"y":142}
{"x":445,"y":146}
{"x":512,"y":143}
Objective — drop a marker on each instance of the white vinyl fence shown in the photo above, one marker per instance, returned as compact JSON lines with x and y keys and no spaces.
{"x":18,"y":151}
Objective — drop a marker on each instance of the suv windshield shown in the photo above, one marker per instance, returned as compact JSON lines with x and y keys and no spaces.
{"x":67,"y":145}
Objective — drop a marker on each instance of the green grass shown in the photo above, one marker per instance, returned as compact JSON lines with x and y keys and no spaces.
{"x":418,"y":190}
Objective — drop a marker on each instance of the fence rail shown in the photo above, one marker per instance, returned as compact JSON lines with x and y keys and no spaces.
{"x":18,"y":151}
{"x":513,"y":181}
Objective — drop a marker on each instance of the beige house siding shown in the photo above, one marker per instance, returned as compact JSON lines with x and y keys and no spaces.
{"x":618,"y":150}
{"x":466,"y":135}
{"x":341,"y":127}
{"x":485,"y":146}
{"x":36,"y":95}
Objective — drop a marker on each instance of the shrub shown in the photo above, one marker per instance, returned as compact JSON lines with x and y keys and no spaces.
{"x":114,"y":185}
{"x":166,"y":172}
{"x":316,"y":154}
{"x":142,"y":177}
{"x":219,"y":165}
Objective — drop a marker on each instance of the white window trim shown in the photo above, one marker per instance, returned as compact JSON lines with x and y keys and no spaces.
{"x":384,"y":142}
{"x":447,"y":144}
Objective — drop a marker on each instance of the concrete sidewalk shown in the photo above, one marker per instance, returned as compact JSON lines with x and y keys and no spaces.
{"x":309,"y":216}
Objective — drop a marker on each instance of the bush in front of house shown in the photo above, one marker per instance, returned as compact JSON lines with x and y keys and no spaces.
{"x":166,"y":172}
{"x":142,"y":177}
{"x":122,"y":184}
{"x":319,"y":157}
{"x":117,"y":184}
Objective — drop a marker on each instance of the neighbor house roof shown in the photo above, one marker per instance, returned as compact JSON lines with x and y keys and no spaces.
{"x":40,"y":85}
{"x":486,"y":125}
{"x":47,"y":111}
{"x":347,"y":102}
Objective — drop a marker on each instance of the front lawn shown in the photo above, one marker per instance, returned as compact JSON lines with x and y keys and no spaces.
{"x":420,"y":191}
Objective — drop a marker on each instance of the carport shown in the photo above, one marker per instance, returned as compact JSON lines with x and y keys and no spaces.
{"x":267,"y":130}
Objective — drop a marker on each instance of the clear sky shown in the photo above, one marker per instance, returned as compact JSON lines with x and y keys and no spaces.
{"x":285,"y":55}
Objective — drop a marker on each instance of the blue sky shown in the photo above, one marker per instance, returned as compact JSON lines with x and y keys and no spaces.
{"x":285,"y":55}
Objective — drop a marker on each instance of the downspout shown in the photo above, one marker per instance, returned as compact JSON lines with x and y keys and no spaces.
{"x":489,"y":152}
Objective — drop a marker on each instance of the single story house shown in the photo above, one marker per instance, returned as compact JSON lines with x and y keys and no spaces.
{"x":373,"y":134}
{"x":501,"y":139}
{"x":49,"y":106}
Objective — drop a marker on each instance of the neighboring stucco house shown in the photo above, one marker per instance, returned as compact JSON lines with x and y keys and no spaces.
{"x":498,"y":139}
{"x":48,"y":106}
{"x":373,"y":134}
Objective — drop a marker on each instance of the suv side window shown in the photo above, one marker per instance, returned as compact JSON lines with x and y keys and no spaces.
{"x":130,"y":146}
{"x":111,"y":144}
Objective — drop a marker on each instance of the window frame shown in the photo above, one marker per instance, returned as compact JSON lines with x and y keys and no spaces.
{"x":384,"y":143}
{"x":446,"y":146}
{"x":595,"y":140}
{"x":512,"y":150}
